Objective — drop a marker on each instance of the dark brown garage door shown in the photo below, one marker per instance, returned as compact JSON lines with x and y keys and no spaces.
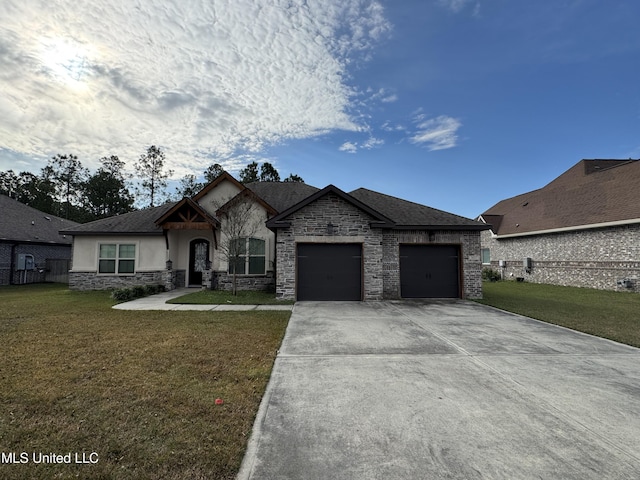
{"x":329,"y":271}
{"x":429,"y":271}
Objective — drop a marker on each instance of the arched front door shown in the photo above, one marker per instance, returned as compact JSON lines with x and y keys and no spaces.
{"x":198,"y":259}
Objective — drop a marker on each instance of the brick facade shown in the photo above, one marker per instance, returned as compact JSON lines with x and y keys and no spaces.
{"x":596,"y":258}
{"x":468,"y":241}
{"x":380,"y":248}
{"x":348,"y":225}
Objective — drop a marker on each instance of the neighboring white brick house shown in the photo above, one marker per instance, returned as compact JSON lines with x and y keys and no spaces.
{"x":582,"y":229}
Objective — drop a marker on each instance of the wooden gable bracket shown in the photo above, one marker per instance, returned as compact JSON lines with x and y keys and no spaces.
{"x":187,"y":215}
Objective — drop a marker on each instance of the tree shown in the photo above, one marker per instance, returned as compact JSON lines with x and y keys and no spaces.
{"x":240,"y":220}
{"x":9,"y":184}
{"x":212,"y":172}
{"x":294,"y":178}
{"x":68,"y":176}
{"x":150,"y":169}
{"x":249,"y":173}
{"x":38,"y":191}
{"x":268,"y":173}
{"x":106,"y":191}
{"x":189,"y":186}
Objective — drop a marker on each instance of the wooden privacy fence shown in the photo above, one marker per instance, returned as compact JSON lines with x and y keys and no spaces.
{"x":57,"y":270}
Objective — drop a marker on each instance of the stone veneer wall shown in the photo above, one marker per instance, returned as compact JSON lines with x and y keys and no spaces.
{"x":309,"y":225}
{"x":596,"y":258}
{"x":224,"y":281}
{"x":380,"y":248}
{"x":469,"y":242}
{"x":91,"y":281}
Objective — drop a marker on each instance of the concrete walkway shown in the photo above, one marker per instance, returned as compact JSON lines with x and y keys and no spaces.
{"x":444,"y":390}
{"x":158,"y":302}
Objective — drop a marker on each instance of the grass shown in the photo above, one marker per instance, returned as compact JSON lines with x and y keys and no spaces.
{"x":219,"y":297}
{"x":607,"y":314}
{"x":137,"y":388}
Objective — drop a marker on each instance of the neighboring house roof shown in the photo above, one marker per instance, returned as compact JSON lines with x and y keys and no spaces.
{"x":282,"y":195}
{"x":20,"y":222}
{"x":410,"y":215}
{"x":141,"y":222}
{"x":592,"y":193}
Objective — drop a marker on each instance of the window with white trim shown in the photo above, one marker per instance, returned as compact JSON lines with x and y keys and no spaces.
{"x":117,"y":258}
{"x":486,"y":256}
{"x":249,"y":257}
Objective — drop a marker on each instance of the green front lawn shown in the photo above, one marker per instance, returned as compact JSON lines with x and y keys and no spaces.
{"x":136,"y":389}
{"x":613,"y":315}
{"x":219,"y":297}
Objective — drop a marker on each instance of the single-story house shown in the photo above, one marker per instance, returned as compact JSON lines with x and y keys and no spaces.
{"x":302,"y":242}
{"x":31,"y":248}
{"x":582,"y":229}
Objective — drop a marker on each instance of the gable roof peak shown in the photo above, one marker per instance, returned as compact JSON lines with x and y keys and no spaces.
{"x":215,"y":182}
{"x":378,"y":219}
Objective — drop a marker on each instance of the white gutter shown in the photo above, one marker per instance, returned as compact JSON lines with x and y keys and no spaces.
{"x":617,"y":223}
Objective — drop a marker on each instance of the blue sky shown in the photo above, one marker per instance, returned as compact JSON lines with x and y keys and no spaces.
{"x":455,"y":104}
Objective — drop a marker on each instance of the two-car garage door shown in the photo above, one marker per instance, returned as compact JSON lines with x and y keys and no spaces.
{"x":333,"y":271}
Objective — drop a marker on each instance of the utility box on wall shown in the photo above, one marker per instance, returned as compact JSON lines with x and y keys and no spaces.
{"x":25,"y":261}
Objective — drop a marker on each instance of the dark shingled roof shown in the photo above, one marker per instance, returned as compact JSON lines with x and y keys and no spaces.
{"x":141,"y":222}
{"x":591,"y":192}
{"x":407,"y":214}
{"x":19,"y":222}
{"x":282,"y":195}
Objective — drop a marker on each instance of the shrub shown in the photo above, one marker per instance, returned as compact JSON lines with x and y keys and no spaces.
{"x":122,"y":294}
{"x":137,"y":291}
{"x":490,"y":274}
{"x":153,"y":289}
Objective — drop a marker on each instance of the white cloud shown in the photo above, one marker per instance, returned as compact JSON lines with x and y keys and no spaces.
{"x":457,"y":5}
{"x":372,"y":142}
{"x":437,"y":133}
{"x":368,"y":144}
{"x":201,"y":78}
{"x":348,"y":147}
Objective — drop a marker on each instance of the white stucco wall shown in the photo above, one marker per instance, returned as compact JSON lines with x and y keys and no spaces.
{"x":151,"y":253}
{"x":221,"y":194}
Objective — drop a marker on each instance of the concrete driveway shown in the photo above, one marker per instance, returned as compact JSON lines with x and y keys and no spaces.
{"x":444,"y":390}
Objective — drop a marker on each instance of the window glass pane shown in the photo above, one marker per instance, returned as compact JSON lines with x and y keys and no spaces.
{"x":107,"y":250}
{"x":239,"y":264}
{"x":486,"y":256}
{"x":127,"y":251}
{"x":256,"y":246}
{"x":256,"y":265}
{"x":107,"y":266}
{"x":238,"y":246}
{"x":126,"y":266}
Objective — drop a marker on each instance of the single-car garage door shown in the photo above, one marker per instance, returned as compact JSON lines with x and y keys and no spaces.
{"x":329,"y":271}
{"x":429,"y":271}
